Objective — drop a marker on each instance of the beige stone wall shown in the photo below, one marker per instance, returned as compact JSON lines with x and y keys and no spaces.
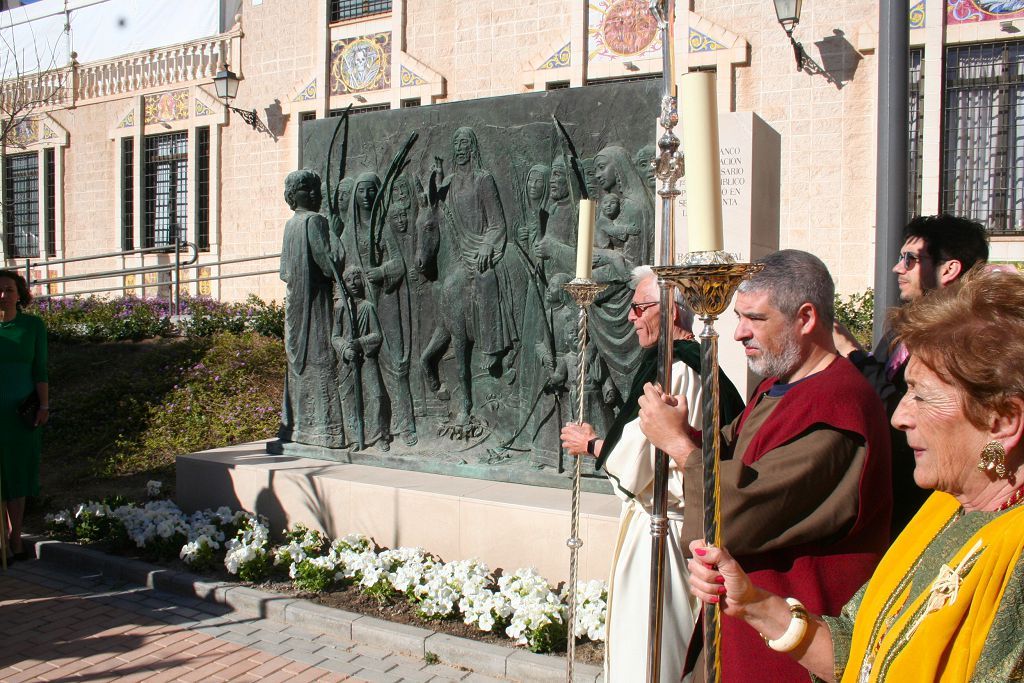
{"x":281,"y":46}
{"x":481,"y":47}
{"x":827,"y":132}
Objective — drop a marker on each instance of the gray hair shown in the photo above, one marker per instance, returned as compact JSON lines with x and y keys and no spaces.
{"x":793,"y":278}
{"x":641,"y":273}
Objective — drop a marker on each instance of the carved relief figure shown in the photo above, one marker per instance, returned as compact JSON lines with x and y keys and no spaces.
{"x":311,"y":410}
{"x":552,"y":406}
{"x":361,"y":347}
{"x":558,"y":246}
{"x":645,"y":157}
{"x":370,"y":243}
{"x":462,"y":234}
{"x":612,"y":332}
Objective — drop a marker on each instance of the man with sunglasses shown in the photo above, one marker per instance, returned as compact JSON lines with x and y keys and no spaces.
{"x":936,"y":251}
{"x":627,"y":457}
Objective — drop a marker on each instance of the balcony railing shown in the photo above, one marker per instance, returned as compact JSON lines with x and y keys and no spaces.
{"x":196,"y":60}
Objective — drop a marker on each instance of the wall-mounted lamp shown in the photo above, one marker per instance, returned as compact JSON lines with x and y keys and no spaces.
{"x":630,"y":66}
{"x":226,"y":83}
{"x":788,"y":12}
{"x":1008,"y":27}
{"x":360,"y":99}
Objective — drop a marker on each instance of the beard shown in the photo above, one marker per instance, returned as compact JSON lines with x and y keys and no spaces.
{"x":779,"y":363}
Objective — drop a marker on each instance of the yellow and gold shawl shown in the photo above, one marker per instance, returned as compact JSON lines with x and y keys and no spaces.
{"x":917,"y":624}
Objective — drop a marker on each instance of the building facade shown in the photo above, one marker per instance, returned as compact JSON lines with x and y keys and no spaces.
{"x":133,"y":150}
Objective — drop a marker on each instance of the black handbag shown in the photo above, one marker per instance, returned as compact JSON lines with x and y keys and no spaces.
{"x":28,"y":409}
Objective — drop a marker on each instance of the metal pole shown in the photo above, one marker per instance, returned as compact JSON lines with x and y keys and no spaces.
{"x":177,"y":276}
{"x":891,"y":163}
{"x":668,"y":170}
{"x":583,"y":292}
{"x":712,"y":509}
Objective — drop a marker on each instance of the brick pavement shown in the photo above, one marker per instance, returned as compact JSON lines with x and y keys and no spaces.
{"x":61,"y":624}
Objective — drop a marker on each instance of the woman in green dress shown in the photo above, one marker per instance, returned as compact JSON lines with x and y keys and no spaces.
{"x":22,"y":370}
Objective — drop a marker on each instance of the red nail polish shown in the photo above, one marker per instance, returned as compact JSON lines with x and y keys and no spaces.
{"x":721,"y":590}
{"x":700,"y":551}
{"x":719,"y":579}
{"x":714,"y":598}
{"x":707,"y":565}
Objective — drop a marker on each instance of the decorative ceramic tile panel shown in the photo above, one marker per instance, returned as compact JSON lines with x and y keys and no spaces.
{"x":307,"y":93}
{"x":409,"y":78}
{"x":968,"y":11}
{"x":701,"y":42}
{"x":166,"y":106}
{"x":25,"y":133}
{"x":361,"y":64}
{"x":917,"y":13}
{"x":621,"y":28}
{"x":561,"y":58}
{"x":202,"y":109}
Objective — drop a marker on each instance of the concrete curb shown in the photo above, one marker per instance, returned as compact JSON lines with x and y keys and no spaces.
{"x":484,"y":658}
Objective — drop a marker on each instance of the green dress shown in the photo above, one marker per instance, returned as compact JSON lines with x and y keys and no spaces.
{"x":22,"y":365}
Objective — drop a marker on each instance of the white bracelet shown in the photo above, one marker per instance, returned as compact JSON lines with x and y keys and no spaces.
{"x":796,"y":630}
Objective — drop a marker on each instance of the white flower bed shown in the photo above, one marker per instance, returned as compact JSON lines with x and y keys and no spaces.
{"x":522,"y":603}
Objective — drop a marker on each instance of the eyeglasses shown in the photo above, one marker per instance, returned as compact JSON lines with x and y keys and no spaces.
{"x":909,"y":259}
{"x":638,"y":309}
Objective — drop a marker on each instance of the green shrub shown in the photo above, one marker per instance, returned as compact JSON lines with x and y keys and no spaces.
{"x":227,"y":396}
{"x":857,"y":312}
{"x":95,"y":319}
{"x":77,"y":319}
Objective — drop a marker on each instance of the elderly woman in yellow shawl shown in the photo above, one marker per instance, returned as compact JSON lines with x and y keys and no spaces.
{"x":947,"y":600}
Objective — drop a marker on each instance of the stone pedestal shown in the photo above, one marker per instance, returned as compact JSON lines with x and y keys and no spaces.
{"x":750,"y":165}
{"x":505,"y":525}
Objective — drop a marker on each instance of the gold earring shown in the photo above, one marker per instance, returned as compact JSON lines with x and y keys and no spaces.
{"x":993,"y":457}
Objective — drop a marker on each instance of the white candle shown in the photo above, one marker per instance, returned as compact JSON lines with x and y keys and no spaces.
{"x":585,"y":240}
{"x":703,"y":174}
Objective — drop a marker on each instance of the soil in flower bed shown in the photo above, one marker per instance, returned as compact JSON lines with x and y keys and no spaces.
{"x":401,"y":612}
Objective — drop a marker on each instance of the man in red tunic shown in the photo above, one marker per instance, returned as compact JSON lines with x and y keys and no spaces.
{"x":805,"y":472}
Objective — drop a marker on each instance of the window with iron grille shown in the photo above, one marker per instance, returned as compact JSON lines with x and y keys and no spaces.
{"x":21,"y":205}
{"x":357,"y":9}
{"x":165,"y":183}
{"x":334,"y":113}
{"x":50,"y":169}
{"x":411,"y":102}
{"x":915,"y":94}
{"x":983,"y":135}
{"x":203,"y":188}
{"x":624,"y":79}
{"x":127,"y":193}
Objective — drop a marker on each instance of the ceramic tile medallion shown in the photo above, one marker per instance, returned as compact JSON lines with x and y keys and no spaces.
{"x":622,"y":28}
{"x":359,"y":64}
{"x":166,"y":106}
{"x":968,"y":11}
{"x":25,"y":133}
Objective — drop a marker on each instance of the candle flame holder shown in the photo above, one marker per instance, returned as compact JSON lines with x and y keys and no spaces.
{"x":583,"y":293}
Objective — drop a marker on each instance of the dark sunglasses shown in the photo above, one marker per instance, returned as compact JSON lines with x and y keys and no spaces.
{"x":638,"y":309}
{"x":909,"y":259}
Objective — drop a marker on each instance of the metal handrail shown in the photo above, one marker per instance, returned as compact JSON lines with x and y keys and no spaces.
{"x":173,"y":267}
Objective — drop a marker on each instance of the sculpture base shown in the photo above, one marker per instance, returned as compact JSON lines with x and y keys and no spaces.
{"x":505,"y":525}
{"x":512,"y":469}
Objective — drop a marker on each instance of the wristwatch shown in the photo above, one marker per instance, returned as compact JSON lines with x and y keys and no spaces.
{"x":590,"y":446}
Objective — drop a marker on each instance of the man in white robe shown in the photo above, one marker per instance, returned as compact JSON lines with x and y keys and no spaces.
{"x":628,"y":459}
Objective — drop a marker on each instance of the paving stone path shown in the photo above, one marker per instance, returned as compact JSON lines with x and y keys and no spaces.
{"x":64,"y":624}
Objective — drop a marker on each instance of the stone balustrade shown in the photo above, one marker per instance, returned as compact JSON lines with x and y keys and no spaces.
{"x":197,"y":60}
